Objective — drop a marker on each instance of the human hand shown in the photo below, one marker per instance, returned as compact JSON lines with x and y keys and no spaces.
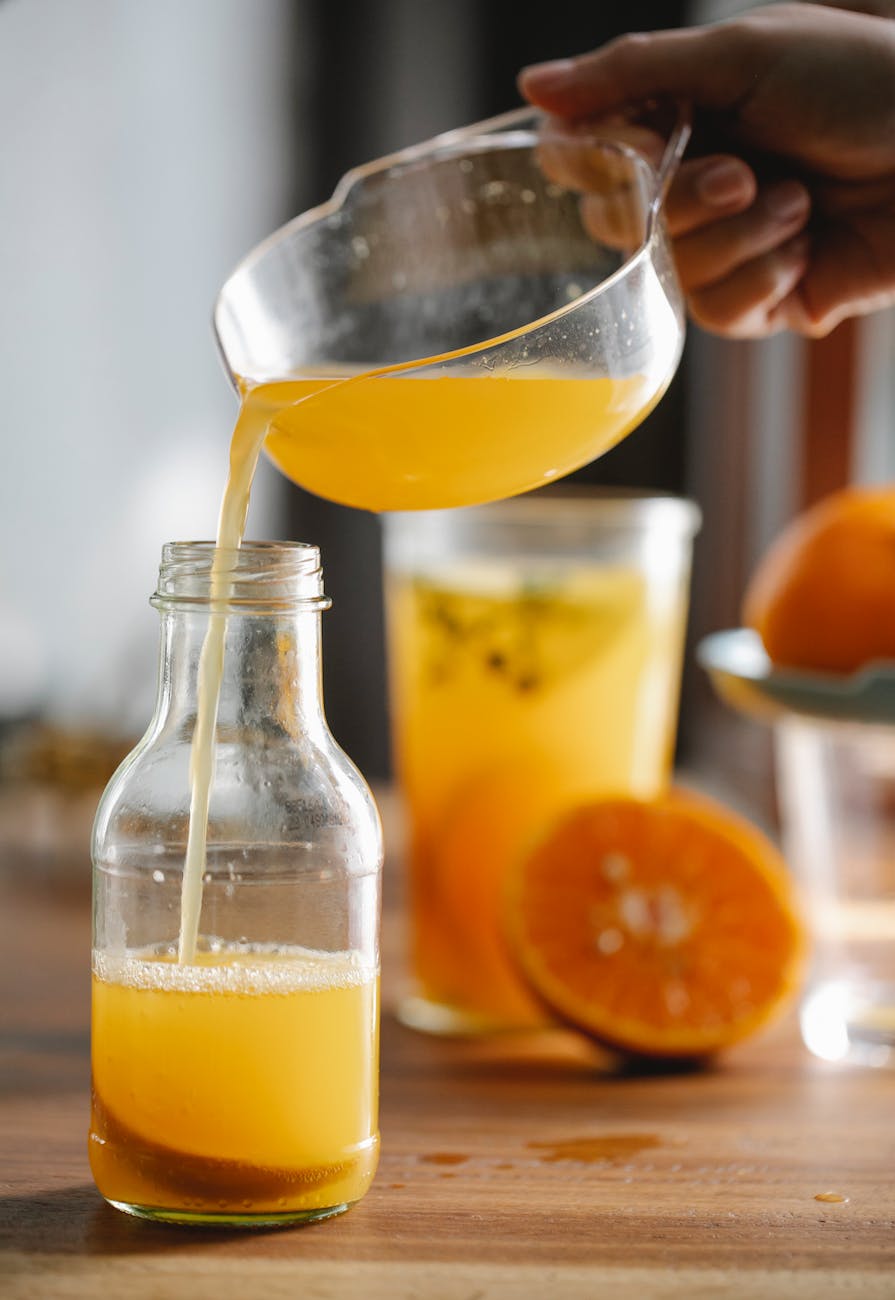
{"x":787,"y":219}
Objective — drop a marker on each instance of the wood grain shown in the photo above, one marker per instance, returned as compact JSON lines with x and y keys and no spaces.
{"x":510,"y":1168}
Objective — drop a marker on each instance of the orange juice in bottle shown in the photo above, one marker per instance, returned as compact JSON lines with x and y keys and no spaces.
{"x":246,"y":1081}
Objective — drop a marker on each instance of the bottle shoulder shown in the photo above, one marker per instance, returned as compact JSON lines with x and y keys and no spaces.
{"x":277,"y":790}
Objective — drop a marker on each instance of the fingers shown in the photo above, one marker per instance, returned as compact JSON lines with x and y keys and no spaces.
{"x":744,"y":304}
{"x":617,"y":220}
{"x":848,"y":270}
{"x":699,"y":64}
{"x":852,"y":272}
{"x":795,"y":313}
{"x":591,"y":166}
{"x":598,"y":164}
{"x":792,"y":313}
{"x":735,"y":244}
{"x":710,"y":253}
{"x":706,"y":189}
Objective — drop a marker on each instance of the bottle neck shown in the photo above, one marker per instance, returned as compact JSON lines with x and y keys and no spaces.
{"x":253,"y":614}
{"x":271,"y":682}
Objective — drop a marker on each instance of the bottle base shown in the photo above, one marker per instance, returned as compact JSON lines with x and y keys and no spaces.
{"x":226,"y":1219}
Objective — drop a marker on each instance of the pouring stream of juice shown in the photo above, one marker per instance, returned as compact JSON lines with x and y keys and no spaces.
{"x":384,"y":441}
{"x":245,"y":448}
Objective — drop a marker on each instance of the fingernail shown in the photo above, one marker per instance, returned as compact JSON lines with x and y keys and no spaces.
{"x":786,"y":200}
{"x":724,"y":182}
{"x":547,"y":76}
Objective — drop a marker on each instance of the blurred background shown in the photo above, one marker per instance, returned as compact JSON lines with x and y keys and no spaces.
{"x":146,"y":148}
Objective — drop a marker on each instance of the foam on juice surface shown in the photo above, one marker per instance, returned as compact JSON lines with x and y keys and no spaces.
{"x":259,"y":969}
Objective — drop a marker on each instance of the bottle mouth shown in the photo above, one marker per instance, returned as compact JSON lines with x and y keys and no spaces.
{"x":255,"y":578}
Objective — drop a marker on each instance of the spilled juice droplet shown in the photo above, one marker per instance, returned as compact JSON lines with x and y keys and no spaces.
{"x":610,"y":1149}
{"x":831,"y":1198}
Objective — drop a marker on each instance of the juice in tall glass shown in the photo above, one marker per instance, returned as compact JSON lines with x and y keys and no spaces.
{"x":535,"y":653}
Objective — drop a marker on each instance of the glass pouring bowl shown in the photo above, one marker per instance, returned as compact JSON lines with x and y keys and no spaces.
{"x":466,"y":319}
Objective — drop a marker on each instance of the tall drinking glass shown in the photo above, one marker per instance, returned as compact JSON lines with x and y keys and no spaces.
{"x":535,"y":653}
{"x":837,"y":795}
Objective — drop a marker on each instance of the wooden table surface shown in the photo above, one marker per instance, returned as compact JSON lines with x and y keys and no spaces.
{"x":513,"y":1169}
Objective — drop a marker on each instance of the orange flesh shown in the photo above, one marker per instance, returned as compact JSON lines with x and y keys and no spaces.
{"x":665,"y":928}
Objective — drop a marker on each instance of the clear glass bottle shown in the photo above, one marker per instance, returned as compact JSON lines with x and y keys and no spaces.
{"x":240,"y":1086}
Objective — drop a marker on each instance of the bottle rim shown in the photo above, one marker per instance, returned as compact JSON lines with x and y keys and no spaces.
{"x":254,"y":578}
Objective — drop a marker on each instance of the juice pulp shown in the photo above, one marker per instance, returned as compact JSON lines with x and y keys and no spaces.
{"x":244,"y":1084}
{"x":514,"y":700}
{"x":392,"y":441}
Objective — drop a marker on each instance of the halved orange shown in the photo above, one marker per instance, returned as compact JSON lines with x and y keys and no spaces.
{"x":664,"y":928}
{"x":489,"y":822}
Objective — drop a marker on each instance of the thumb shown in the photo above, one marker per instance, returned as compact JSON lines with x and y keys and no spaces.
{"x":700,"y":64}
